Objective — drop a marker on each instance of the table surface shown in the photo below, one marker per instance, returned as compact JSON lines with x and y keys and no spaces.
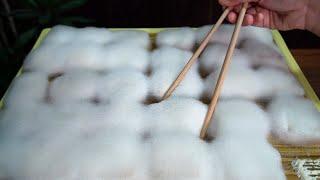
{"x":309,"y":61}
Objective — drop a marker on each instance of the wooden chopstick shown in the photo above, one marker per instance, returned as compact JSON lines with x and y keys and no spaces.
{"x":197,"y":53}
{"x":223,"y":72}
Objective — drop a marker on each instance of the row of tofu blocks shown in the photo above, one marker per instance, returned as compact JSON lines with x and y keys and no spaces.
{"x":131,"y":141}
{"x":116,"y":56}
{"x":127,"y":84}
{"x":102,"y":50}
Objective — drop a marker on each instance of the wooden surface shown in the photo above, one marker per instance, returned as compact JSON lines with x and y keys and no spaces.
{"x":309,"y":61}
{"x":290,"y":152}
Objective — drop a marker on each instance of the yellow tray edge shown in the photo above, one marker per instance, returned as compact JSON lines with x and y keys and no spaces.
{"x":295,"y":69}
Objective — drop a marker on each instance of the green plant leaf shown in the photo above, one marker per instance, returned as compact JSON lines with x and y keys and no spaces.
{"x":43,"y":3}
{"x":14,"y":12}
{"x":10,"y":50}
{"x":45,"y":19}
{"x":4,"y":54}
{"x":57,"y":3}
{"x":24,"y":14}
{"x":33,"y":3}
{"x":50,"y":3}
{"x":75,"y":19}
{"x":2,"y":13}
{"x":71,"y":5}
{"x":25,"y":37}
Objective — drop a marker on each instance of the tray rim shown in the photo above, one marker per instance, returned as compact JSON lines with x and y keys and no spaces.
{"x":295,"y":68}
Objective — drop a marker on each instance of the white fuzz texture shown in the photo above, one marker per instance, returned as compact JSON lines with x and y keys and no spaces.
{"x":132,"y":37}
{"x":278,"y":82}
{"x":222,"y":35}
{"x":107,"y":156}
{"x":31,"y":142}
{"x":25,"y":121}
{"x":124,"y":55}
{"x":262,"y":35}
{"x":167,"y":56}
{"x":46,"y":58}
{"x":26,"y":88}
{"x":126,"y":117}
{"x":262,"y":54}
{"x":161,"y":79}
{"x":82,"y":56}
{"x":65,"y":140}
{"x":89,"y":121}
{"x":94,"y":35}
{"x":213,"y":56}
{"x":177,"y":114}
{"x":53,"y":58}
{"x":242,"y":161}
{"x":239,"y":118}
{"x":183,"y":38}
{"x":88,"y":52}
{"x":240,"y":82}
{"x":123,"y":84}
{"x":181,"y":157}
{"x":166,"y":64}
{"x":75,"y":86}
{"x":295,"y":120}
{"x":61,"y":34}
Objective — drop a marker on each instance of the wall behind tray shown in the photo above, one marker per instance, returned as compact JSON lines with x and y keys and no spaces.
{"x":171,"y":13}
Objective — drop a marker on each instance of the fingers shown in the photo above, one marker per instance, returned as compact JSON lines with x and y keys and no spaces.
{"x":262,"y":17}
{"x":247,"y":21}
{"x":234,"y":2}
{"x":252,"y":17}
{"x":252,"y":11}
{"x":259,"y":20}
{"x":249,"y":18}
{"x":232,"y":17}
{"x":256,"y":15}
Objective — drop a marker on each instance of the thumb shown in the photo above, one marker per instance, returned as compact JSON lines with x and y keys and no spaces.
{"x":234,"y":2}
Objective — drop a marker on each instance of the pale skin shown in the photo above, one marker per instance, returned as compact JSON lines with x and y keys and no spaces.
{"x":278,"y":14}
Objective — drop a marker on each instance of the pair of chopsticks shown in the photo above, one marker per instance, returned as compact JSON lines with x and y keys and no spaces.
{"x":224,"y":68}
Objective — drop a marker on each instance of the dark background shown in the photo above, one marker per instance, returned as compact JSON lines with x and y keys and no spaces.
{"x":171,"y":13}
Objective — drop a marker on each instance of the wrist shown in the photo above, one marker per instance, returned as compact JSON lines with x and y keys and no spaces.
{"x":313,"y":16}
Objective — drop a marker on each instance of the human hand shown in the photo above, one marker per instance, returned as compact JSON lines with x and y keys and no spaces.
{"x":274,"y":14}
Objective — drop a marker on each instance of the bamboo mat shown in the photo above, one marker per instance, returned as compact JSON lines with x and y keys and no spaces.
{"x":290,"y":153}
